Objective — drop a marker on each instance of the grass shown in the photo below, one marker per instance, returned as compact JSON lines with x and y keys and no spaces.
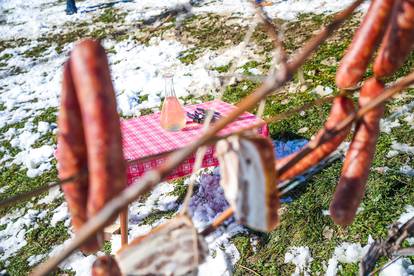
{"x":302,"y":223}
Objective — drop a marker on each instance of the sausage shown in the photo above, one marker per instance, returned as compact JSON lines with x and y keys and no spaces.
{"x":105,"y":266}
{"x":341,"y":108}
{"x":106,"y":165}
{"x":364,"y":43}
{"x":351,"y":187}
{"x":398,"y":41}
{"x":71,"y":156}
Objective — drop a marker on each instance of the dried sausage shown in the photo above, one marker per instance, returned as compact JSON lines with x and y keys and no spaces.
{"x":364,"y":43}
{"x":341,"y":108}
{"x":351,"y":187}
{"x":106,"y":165}
{"x":398,"y":41}
{"x":71,"y":156}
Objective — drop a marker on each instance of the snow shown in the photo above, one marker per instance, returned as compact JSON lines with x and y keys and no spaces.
{"x":346,"y":253}
{"x":407,"y":215}
{"x":35,"y":259}
{"x":209,"y":201}
{"x":61,"y":213}
{"x":401,"y":267}
{"x":407,"y":170}
{"x":387,"y":124}
{"x":12,"y":237}
{"x":36,"y":160}
{"x":301,"y":258}
{"x":53,"y":194}
{"x":323,"y":90}
{"x":402,"y":148}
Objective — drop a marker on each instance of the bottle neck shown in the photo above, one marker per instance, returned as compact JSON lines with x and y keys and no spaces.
{"x":169,"y":87}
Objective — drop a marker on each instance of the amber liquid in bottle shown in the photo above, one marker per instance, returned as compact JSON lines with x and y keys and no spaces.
{"x":172,"y":113}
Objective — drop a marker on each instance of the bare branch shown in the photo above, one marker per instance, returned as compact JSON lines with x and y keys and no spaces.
{"x":26,"y":195}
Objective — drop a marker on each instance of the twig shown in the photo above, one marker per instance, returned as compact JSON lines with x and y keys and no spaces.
{"x":152,"y":178}
{"x":272,"y":32}
{"x":217,"y":222}
{"x":248,"y":269}
{"x":26,"y":195}
{"x":378,"y":270}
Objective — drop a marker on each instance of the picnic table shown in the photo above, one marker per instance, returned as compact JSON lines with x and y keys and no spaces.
{"x":146,"y":144}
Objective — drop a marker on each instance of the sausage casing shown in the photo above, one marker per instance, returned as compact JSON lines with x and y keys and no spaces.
{"x":72,"y":157}
{"x":106,"y":165}
{"x":398,"y":41}
{"x":351,"y":187}
{"x":364,"y":44}
{"x":341,"y":108}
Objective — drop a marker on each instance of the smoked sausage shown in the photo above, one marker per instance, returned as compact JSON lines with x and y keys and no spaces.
{"x":398,"y":41}
{"x":71,"y":156}
{"x":100,"y":120}
{"x":105,"y":266}
{"x":341,"y":108}
{"x":351,"y":187}
{"x":364,"y":44}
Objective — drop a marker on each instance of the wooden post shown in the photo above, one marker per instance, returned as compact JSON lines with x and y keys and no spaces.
{"x":123,"y":218}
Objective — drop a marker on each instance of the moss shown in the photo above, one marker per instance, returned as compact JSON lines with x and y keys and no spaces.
{"x":107,"y":248}
{"x":180,"y":190}
{"x":111,"y":15}
{"x":6,"y":57}
{"x":222,"y":69}
{"x":36,"y":51}
{"x":156,"y":216}
{"x":189,"y":56}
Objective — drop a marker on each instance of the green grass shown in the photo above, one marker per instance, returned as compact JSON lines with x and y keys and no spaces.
{"x":302,"y":222}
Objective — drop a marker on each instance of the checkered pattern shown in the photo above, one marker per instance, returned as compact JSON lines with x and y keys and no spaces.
{"x":144,"y":137}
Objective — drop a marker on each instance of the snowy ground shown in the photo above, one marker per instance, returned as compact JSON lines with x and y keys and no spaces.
{"x":35,"y":38}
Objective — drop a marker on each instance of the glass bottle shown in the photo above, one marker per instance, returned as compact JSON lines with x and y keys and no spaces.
{"x":173,"y":116}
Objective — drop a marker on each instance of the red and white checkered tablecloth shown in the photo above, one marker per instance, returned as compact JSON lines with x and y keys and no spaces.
{"x":143,"y":137}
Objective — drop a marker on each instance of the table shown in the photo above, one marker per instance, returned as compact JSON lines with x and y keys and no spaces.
{"x":146,"y":145}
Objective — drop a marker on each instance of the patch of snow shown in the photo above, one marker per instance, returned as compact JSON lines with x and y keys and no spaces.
{"x":407,"y":170}
{"x":407,"y":215}
{"x":255,"y":71}
{"x":322,"y":90}
{"x":12,"y":238}
{"x":386,"y":125}
{"x":403,"y":148}
{"x":43,"y":127}
{"x":3,"y":189}
{"x":287,"y":10}
{"x":392,"y":121}
{"x":61,"y":213}
{"x":222,"y":263}
{"x":301,"y":258}
{"x":35,"y":259}
{"x":209,"y":201}
{"x":54,"y":193}
{"x":346,"y":253}
{"x":401,"y":267}
{"x":303,"y":130}
{"x":36,"y":160}
{"x":409,"y":119}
